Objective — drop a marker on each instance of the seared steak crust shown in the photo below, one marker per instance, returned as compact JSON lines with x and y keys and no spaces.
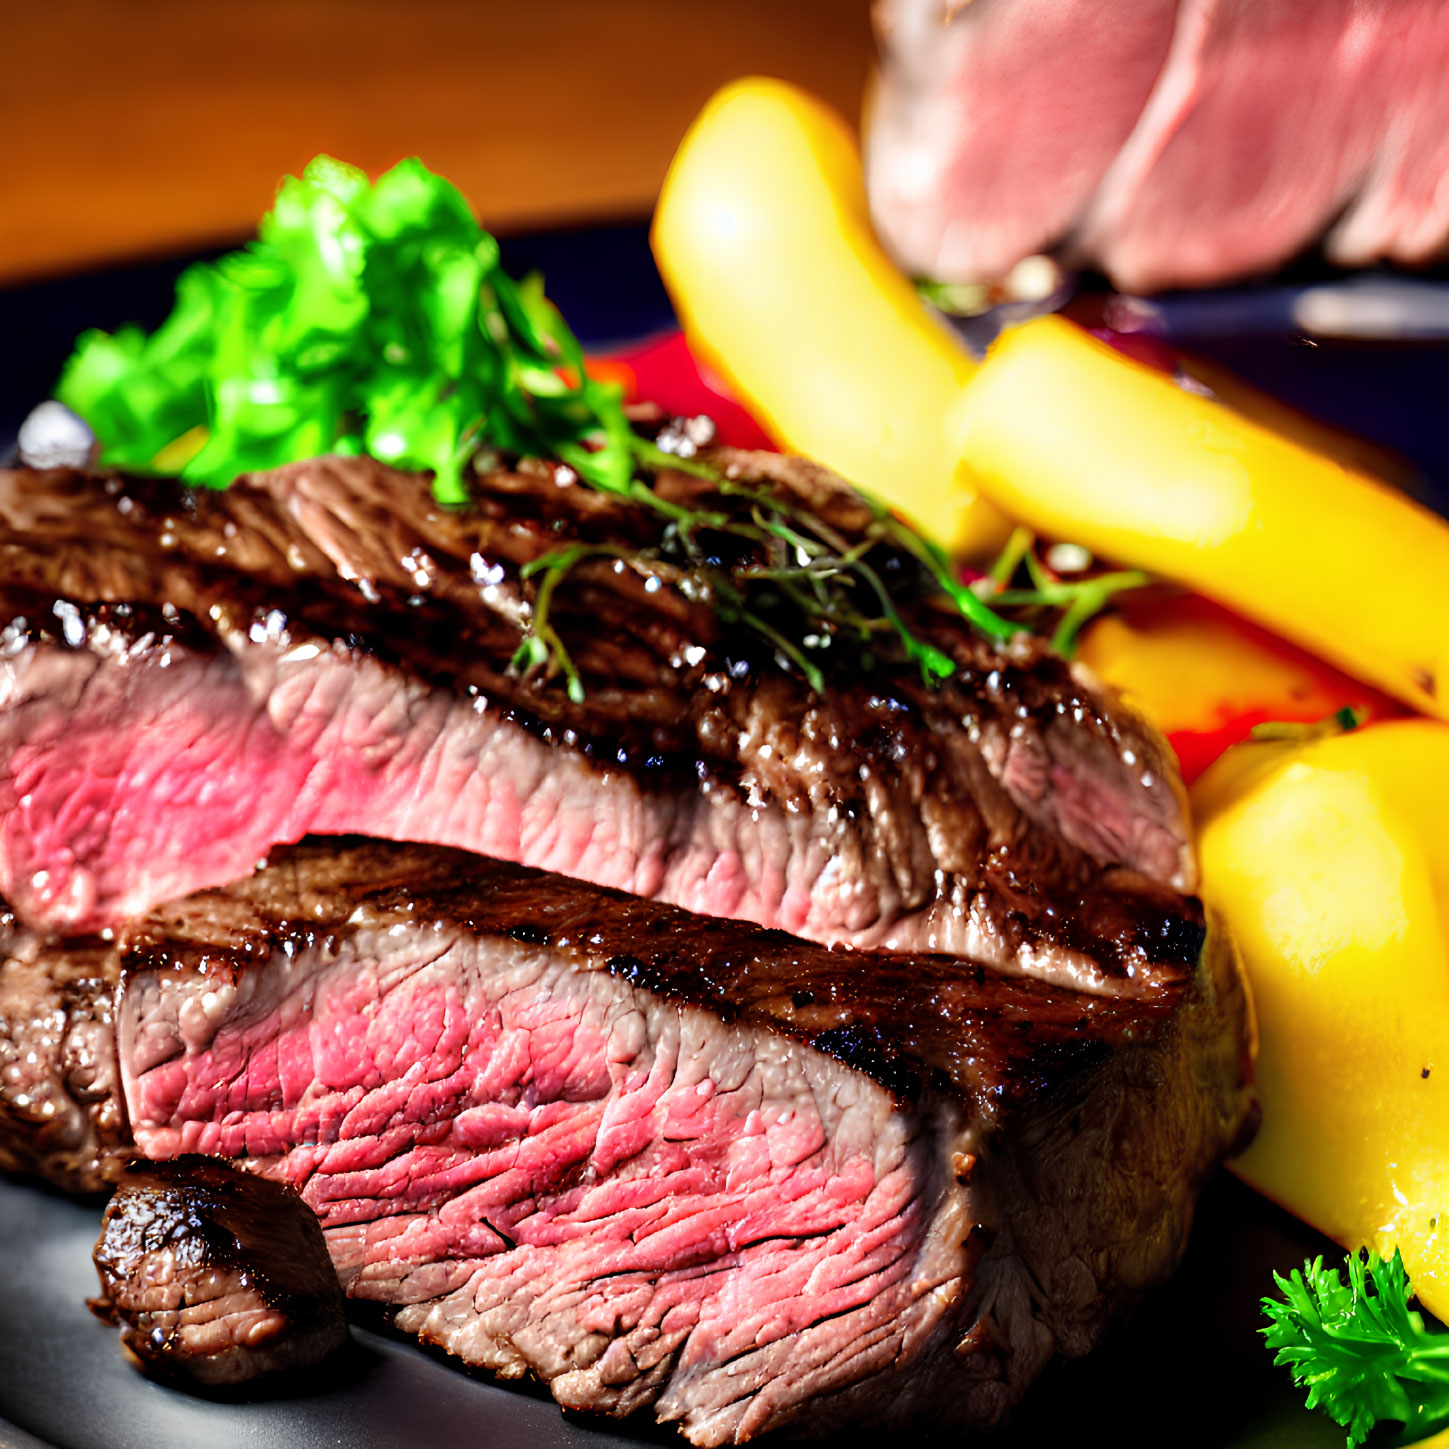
{"x":323,"y":649}
{"x":61,"y":1115}
{"x":685,"y":1164}
{"x":897,"y":1018}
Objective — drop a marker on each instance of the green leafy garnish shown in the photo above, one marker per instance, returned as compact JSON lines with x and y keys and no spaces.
{"x":374,"y":317}
{"x":1363,"y":1354}
{"x":1045,"y":598}
{"x":367,"y":317}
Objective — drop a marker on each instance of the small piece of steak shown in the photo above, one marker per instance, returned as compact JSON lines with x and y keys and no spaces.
{"x":216,"y":1275}
{"x":682,"y":1164}
{"x":188,"y":677}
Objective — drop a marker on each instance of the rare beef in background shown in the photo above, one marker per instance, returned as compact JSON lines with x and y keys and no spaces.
{"x":993,"y":123}
{"x":1154,"y":140}
{"x":188,"y":677}
{"x":215,"y":1275}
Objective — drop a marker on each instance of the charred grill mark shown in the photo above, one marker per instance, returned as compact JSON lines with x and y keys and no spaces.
{"x":896,"y":1018}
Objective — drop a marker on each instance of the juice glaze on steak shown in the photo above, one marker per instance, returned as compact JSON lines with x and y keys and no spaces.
{"x":189,"y":677}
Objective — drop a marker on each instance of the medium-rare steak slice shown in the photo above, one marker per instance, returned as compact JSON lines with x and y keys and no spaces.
{"x":188,"y":677}
{"x":686,"y":1164}
{"x":215,"y":1275}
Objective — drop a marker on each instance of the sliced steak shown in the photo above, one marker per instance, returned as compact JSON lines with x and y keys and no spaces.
{"x":682,"y":1164}
{"x":188,"y":677}
{"x":216,"y":1276}
{"x":1227,"y":174}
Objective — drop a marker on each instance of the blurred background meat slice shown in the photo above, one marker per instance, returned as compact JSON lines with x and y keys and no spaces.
{"x":1402,"y":211}
{"x":1260,"y":129}
{"x":994,"y":121}
{"x":1177,"y":143}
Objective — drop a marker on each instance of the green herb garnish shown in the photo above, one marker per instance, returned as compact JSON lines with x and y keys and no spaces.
{"x":955,"y":299}
{"x":1363,"y":1354}
{"x":367,"y":317}
{"x":777,"y":568}
{"x":1070,"y":604}
{"x":1343,"y":720}
{"x":374,"y":317}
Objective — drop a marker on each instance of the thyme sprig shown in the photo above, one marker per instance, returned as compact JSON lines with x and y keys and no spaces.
{"x":1341,"y":721}
{"x":775,"y":567}
{"x":541,"y":646}
{"x":1072,"y":602}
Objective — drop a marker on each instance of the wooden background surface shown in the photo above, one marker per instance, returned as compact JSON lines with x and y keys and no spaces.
{"x":131,"y":128}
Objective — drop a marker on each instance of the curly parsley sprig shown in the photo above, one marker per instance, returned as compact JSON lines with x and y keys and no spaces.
{"x":1363,"y":1354}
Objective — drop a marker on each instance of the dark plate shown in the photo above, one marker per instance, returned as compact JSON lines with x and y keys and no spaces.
{"x":1190,"y":1370}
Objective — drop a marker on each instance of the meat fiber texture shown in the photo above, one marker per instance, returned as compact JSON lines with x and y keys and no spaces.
{"x":188,"y":677}
{"x":673,"y":1164}
{"x":595,"y":1125}
{"x":1165,"y":142}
